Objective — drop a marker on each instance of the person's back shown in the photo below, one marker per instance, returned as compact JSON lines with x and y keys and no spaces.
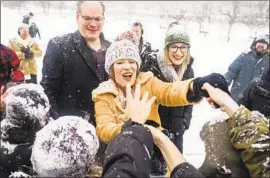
{"x":248,"y":66}
{"x":33,"y":30}
{"x":221,"y":159}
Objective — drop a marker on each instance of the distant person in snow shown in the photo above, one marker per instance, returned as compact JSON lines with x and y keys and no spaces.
{"x":27,"y":18}
{"x":144,"y":46}
{"x":247,"y":66}
{"x":27,"y":50}
{"x":256,"y":96}
{"x":33,"y":30}
{"x":26,"y":111}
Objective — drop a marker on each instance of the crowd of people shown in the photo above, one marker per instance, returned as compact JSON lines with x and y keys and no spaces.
{"x":121,"y":108}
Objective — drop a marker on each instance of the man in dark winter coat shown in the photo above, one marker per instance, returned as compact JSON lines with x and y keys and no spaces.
{"x":248,"y":66}
{"x":74,"y":64}
{"x":256,"y":96}
{"x":33,"y":30}
{"x":26,"y":18}
{"x":27,"y":111}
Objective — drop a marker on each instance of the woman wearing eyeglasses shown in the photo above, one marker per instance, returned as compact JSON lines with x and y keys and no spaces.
{"x":173,"y":64}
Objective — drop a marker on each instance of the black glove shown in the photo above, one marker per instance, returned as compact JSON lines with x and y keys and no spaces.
{"x":214,"y":79}
{"x":29,"y":55}
{"x":25,"y":50}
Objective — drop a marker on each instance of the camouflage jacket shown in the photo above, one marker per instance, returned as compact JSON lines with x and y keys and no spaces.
{"x":249,"y":133}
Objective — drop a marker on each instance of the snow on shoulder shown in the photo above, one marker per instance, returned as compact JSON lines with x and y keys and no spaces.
{"x":65,"y":147}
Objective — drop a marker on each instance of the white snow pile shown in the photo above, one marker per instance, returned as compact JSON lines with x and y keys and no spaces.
{"x":65,"y":147}
{"x":27,"y":101}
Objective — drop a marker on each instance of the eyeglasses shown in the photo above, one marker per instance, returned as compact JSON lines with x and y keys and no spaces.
{"x":174,"y":48}
{"x":88,"y":19}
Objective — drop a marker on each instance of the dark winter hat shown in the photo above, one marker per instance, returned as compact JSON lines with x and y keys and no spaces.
{"x":65,"y":147}
{"x":31,"y":14}
{"x":27,"y":111}
{"x":263,"y":38}
{"x":176,"y":34}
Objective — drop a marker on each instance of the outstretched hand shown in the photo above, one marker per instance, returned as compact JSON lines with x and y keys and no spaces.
{"x":216,"y":95}
{"x":138,"y":109}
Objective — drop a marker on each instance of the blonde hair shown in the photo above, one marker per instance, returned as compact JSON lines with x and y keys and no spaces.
{"x":184,"y":64}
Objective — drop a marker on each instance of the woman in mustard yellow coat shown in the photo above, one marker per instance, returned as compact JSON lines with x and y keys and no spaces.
{"x":122,"y":63}
{"x":27,"y":50}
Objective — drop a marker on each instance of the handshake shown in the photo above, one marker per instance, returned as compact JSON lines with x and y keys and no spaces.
{"x":27,"y":52}
{"x":216,"y":80}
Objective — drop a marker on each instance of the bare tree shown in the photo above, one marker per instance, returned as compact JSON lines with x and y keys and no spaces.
{"x":46,"y":5}
{"x":258,"y":18}
{"x":59,"y":4}
{"x":177,"y":14}
{"x":201,"y":15}
{"x":232,"y":15}
{"x":13,"y":4}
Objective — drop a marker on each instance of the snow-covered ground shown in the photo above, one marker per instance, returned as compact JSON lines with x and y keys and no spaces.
{"x":212,"y":54}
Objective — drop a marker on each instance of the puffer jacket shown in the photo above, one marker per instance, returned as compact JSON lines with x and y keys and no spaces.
{"x":110,"y":115}
{"x":175,"y":119}
{"x":245,"y":67}
{"x":28,"y":66}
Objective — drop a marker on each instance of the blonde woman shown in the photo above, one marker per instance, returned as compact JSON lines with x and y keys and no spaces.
{"x":173,"y":64}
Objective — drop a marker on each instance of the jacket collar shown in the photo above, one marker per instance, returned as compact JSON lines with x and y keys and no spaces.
{"x":86,"y":52}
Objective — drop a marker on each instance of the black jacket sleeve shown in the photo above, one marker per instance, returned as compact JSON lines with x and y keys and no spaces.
{"x":52,"y":72}
{"x":249,"y":93}
{"x":187,"y":110}
{"x":129,"y":153}
{"x":11,"y":160}
{"x":185,"y":170}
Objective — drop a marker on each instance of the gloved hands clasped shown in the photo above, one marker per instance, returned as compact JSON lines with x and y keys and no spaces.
{"x":27,"y":52}
{"x":214,"y":79}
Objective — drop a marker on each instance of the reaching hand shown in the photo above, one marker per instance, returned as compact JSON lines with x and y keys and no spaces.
{"x":213,"y":79}
{"x":226,"y":103}
{"x":156,"y":133}
{"x":138,"y":109}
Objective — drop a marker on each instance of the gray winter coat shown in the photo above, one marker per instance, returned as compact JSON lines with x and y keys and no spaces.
{"x":245,"y":67}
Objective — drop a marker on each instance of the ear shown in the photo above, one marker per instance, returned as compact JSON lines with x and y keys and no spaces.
{"x":77,"y":16}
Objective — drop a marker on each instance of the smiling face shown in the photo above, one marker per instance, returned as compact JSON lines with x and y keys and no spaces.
{"x":261,"y":46}
{"x":125,"y":72}
{"x":177,"y":52}
{"x":24,"y":33}
{"x":90,"y":20}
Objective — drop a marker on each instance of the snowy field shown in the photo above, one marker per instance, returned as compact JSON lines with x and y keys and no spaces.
{"x":212,"y":54}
